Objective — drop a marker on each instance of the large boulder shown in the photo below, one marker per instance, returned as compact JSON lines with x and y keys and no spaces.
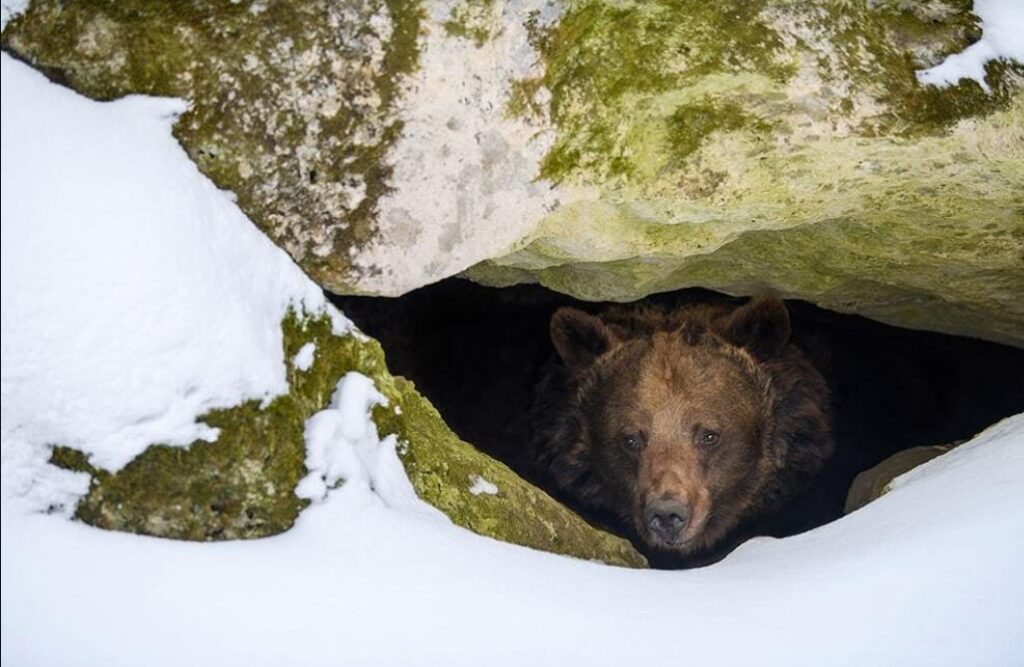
{"x":243,"y":485}
{"x":605,"y":149}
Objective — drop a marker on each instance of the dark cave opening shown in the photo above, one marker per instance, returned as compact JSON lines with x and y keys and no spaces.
{"x":477,"y":354}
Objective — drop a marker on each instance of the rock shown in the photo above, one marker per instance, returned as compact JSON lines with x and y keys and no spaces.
{"x":291,"y":103}
{"x":874,"y":482}
{"x":604,"y":149}
{"x":243,"y":484}
{"x":783,"y":146}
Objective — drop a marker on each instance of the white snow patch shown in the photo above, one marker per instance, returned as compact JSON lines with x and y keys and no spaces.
{"x":465,"y":183}
{"x":303,"y":359}
{"x":1002,"y":23}
{"x":480,"y":485}
{"x":136,"y":296}
{"x":342,"y":445}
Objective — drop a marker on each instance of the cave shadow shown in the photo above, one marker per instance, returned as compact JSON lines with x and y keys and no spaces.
{"x":477,"y":353}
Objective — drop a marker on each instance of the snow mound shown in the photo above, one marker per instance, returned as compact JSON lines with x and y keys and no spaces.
{"x":928,"y":574}
{"x":136,"y":295}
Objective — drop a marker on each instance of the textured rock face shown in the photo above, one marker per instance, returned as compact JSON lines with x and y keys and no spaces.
{"x":743,"y":146}
{"x":243,"y":484}
{"x":608,"y":150}
{"x":291,"y":102}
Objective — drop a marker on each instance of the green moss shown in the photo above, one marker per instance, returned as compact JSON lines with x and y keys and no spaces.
{"x":474,"y":20}
{"x":443,"y":468}
{"x":879,"y":48}
{"x":292,"y":103}
{"x":930,"y":109}
{"x":523,"y":98}
{"x":690,"y":124}
{"x":928,"y":30}
{"x":604,"y":59}
{"x":243,"y":484}
{"x":72,"y":459}
{"x":620,"y":72}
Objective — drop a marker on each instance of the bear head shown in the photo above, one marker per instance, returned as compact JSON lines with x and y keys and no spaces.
{"x":683,"y":425}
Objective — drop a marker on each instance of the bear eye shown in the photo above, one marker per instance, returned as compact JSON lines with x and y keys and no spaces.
{"x":706,"y":436}
{"x":632,"y":442}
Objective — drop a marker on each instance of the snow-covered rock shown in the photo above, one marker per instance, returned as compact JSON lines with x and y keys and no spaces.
{"x":174,"y":364}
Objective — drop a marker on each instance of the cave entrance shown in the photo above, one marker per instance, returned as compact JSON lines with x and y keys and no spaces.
{"x":477,"y":354}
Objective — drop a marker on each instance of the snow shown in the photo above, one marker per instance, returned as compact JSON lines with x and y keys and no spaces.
{"x":1002,"y":23}
{"x":480,"y":485}
{"x":9,"y":9}
{"x":929,"y":574}
{"x":136,"y":296}
{"x":303,"y":359}
{"x":135,"y":293}
{"x":342,"y":445}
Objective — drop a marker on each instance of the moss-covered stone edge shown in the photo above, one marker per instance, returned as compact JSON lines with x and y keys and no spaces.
{"x":242,"y":485}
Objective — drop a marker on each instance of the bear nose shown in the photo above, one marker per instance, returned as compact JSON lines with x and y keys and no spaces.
{"x":667,"y":518}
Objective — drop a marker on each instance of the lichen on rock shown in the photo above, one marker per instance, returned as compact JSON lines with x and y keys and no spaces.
{"x":781,"y":146}
{"x":623,"y":76}
{"x":475,"y":20}
{"x":292,"y":104}
{"x":604,"y":149}
{"x":243,"y":484}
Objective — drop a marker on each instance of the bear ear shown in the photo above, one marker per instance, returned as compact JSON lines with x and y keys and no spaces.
{"x":761,"y":326}
{"x":579,"y":338}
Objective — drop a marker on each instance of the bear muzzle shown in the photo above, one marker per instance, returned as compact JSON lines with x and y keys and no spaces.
{"x":666,"y":519}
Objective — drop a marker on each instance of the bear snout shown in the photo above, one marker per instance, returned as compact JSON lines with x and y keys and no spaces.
{"x":666,"y":519}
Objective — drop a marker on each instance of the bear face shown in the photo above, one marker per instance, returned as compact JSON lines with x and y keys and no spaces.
{"x":683,"y":424}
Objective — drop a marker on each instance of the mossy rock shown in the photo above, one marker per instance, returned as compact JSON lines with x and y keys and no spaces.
{"x":292,"y":103}
{"x":743,"y":145}
{"x":770,"y":145}
{"x":243,"y":484}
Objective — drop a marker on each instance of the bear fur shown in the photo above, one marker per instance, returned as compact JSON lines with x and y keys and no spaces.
{"x":683,"y":425}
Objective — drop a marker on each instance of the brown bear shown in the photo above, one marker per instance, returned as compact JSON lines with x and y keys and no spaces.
{"x":681,"y":424}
